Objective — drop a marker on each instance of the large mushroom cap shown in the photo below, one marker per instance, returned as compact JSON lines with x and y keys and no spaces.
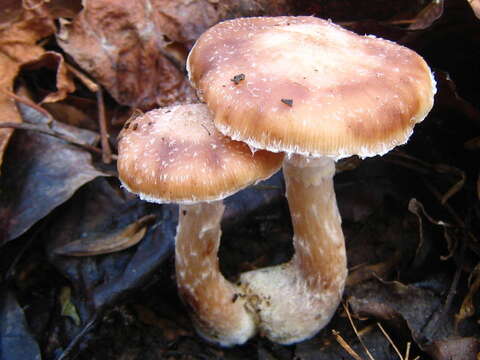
{"x":306,"y":85}
{"x":175,"y":154}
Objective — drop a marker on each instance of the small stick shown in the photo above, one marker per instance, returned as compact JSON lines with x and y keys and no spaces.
{"x":356,"y":332}
{"x":390,"y":340}
{"x":345,"y":345}
{"x":407,"y":352}
{"x":83,"y":78}
{"x":106,"y":150}
{"x":93,"y":87}
{"x":29,"y":103}
{"x":49,"y":131}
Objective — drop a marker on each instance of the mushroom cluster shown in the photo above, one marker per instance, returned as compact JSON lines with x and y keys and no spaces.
{"x":318,"y":92}
{"x":296,"y":85}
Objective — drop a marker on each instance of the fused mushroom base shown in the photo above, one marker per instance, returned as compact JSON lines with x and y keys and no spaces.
{"x":293,"y":301}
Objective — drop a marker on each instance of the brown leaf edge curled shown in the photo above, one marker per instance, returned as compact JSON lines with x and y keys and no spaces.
{"x":18,"y":45}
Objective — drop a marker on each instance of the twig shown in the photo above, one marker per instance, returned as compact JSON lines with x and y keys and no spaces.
{"x":77,"y":338}
{"x":356,"y":332}
{"x":31,"y":104}
{"x":434,"y":320}
{"x":90,"y":84}
{"x":407,"y":352}
{"x":345,"y":345}
{"x":102,"y":120}
{"x":49,"y":131}
{"x":390,"y":340}
{"x":106,"y":150}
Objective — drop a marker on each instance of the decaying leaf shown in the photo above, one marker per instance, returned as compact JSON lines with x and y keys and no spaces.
{"x":99,"y":243}
{"x":18,"y":45}
{"x":430,"y":13}
{"x":16,"y":342}
{"x":417,"y":208}
{"x":454,"y":347}
{"x":420,"y":307}
{"x":43,"y":172}
{"x":365,"y":272}
{"x":54,"y":61}
{"x":67,"y":307}
{"x":102,"y":208}
{"x":136,"y":49}
{"x":468,"y":307}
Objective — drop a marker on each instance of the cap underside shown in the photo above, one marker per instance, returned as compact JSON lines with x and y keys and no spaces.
{"x":175,"y":154}
{"x":304,"y":85}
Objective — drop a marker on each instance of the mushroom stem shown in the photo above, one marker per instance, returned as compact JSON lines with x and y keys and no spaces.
{"x":295,"y":300}
{"x":217,"y":309}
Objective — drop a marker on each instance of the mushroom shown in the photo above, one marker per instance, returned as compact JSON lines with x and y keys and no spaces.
{"x":319,"y":93}
{"x":175,"y":154}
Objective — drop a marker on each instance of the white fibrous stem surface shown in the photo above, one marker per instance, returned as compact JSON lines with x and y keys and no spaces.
{"x":293,"y":301}
{"x":217,"y":309}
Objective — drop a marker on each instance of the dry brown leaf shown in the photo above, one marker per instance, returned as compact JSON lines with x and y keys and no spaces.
{"x":366,"y":272}
{"x":430,"y":13}
{"x":170,"y":329}
{"x":137,"y":49}
{"x":54,"y":61}
{"x":468,"y":307}
{"x":18,"y":45}
{"x":100,"y":243}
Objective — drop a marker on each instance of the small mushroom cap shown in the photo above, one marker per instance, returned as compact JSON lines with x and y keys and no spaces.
{"x":175,"y":154}
{"x":305,"y":85}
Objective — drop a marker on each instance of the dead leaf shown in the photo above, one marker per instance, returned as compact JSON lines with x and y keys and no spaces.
{"x":16,"y":342}
{"x":100,"y":243}
{"x":43,"y":172}
{"x":468,"y":307}
{"x":67,"y":307}
{"x":417,"y":208}
{"x":137,"y":50}
{"x":430,"y":13}
{"x":64,"y":83}
{"x":171,"y":330}
{"x":102,"y":207}
{"x":455,"y":347}
{"x":18,"y":45}
{"x":382,"y":270}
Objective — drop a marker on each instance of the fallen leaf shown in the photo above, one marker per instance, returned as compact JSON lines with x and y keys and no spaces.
{"x":18,"y":45}
{"x":468,"y":307}
{"x":392,"y":303}
{"x":137,"y":49}
{"x":455,"y":347}
{"x":381,"y":270}
{"x":102,"y":208}
{"x":430,"y":13}
{"x":41,"y":172}
{"x":100,"y":243}
{"x":171,"y":331}
{"x":64,"y":83}
{"x":67,"y":307}
{"x":16,"y":342}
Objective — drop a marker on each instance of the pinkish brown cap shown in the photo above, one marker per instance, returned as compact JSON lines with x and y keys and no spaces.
{"x":175,"y":154}
{"x":305,"y":85}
